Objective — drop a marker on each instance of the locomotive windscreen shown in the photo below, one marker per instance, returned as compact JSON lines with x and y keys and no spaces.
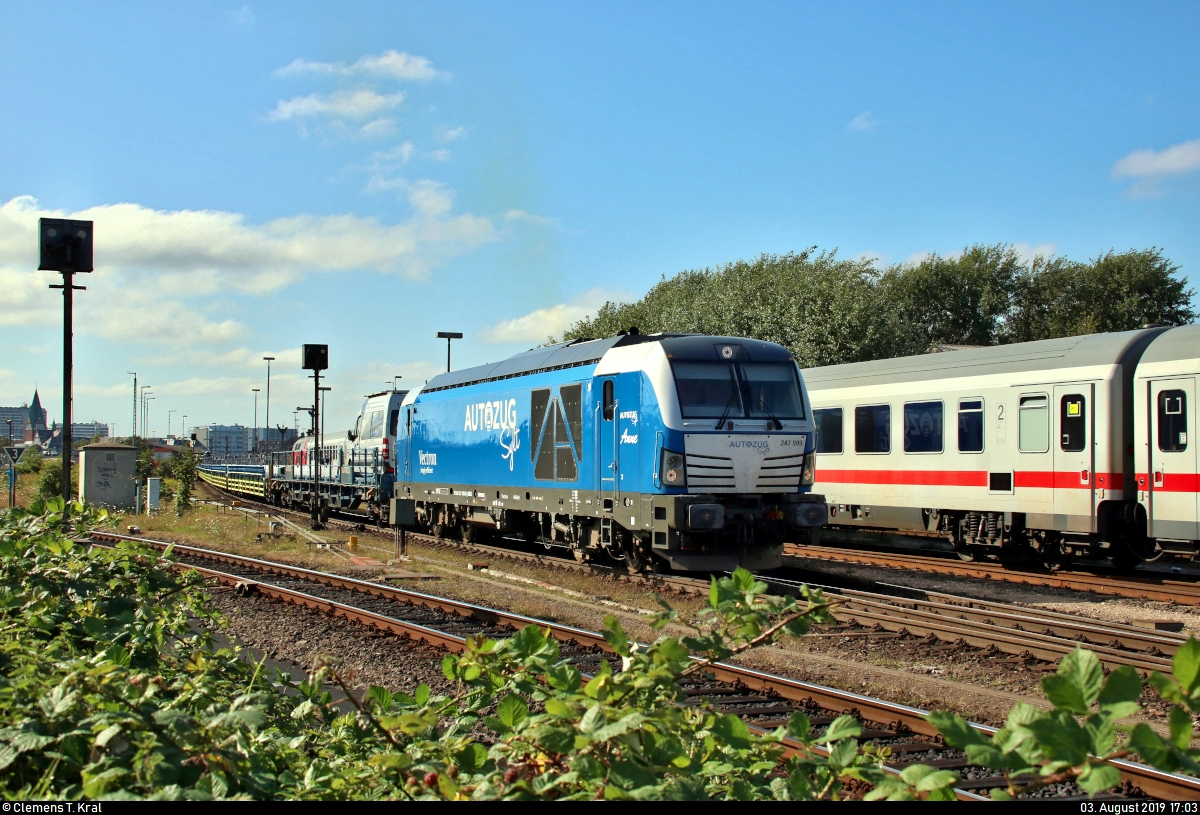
{"x":758,"y":390}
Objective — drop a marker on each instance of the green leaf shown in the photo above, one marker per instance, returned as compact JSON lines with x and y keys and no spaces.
{"x":1065,"y":694}
{"x":799,"y":727}
{"x":391,"y":761}
{"x":843,"y":727}
{"x":450,"y":667}
{"x":1181,"y":727}
{"x":842,"y":753}
{"x":732,"y":731}
{"x":1152,"y":747}
{"x":615,"y":636}
{"x":564,"y":678}
{"x":512,"y":711}
{"x":593,"y":719}
{"x":955,"y":729}
{"x":1085,"y":672}
{"x":1061,"y":738}
{"x":1096,"y":779}
{"x":743,"y":579}
{"x":382,"y":697}
{"x":471,"y":758}
{"x":937,"y":780}
{"x":621,"y":726}
{"x":1185,"y":665}
{"x":557,"y":707}
{"x":421,"y":694}
{"x":1122,"y":685}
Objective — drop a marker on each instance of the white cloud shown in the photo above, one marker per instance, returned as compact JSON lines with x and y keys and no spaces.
{"x":528,"y":217}
{"x":378,"y":128}
{"x":917,"y":257}
{"x":213,"y":249}
{"x":355,"y":104}
{"x":447,"y":134}
{"x":398,"y":156}
{"x":541,"y":323}
{"x":863,"y":121}
{"x":1179,"y":158}
{"x":391,"y":64}
{"x":1027,"y":252}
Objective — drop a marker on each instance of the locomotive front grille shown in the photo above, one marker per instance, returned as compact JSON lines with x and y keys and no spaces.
{"x":743,"y":463}
{"x":710,"y":473}
{"x":780,"y":474}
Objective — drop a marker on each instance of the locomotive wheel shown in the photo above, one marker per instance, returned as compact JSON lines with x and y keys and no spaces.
{"x":635,"y":557}
{"x":467,"y":532}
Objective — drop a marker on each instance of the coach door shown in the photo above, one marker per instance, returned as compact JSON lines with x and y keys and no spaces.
{"x":618,"y":441}
{"x":1074,"y":456}
{"x":1172,"y":481}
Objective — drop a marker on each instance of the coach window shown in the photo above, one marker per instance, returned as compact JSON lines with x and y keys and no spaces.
{"x":873,"y":429}
{"x":1172,"y":421}
{"x":923,"y":427}
{"x":970,"y":426}
{"x":1034,"y":424}
{"x":829,"y":430}
{"x":1073,"y":422}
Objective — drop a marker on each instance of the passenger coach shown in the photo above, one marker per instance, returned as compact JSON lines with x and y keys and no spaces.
{"x":687,"y":451}
{"x":1026,"y":448}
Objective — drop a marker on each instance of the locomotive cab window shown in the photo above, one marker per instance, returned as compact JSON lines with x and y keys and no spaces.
{"x":1034,"y":424}
{"x":923,"y":427}
{"x":1073,"y":422}
{"x":970,"y":426}
{"x":829,"y":429}
{"x":873,"y":429}
{"x":1172,"y":421}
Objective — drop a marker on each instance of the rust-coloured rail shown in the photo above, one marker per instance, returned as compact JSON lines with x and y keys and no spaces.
{"x":1158,"y":784}
{"x":1134,"y":586}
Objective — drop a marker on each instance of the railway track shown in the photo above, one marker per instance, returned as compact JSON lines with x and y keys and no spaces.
{"x":1146,"y":587}
{"x":947,"y":620}
{"x":763,"y":700}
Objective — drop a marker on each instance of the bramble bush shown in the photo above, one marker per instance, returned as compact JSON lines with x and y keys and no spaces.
{"x":108,"y":691}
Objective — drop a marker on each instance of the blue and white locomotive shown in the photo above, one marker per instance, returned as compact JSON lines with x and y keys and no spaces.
{"x":681,"y":450}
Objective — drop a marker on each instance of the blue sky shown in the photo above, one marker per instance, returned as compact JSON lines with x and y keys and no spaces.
{"x":368,"y":174}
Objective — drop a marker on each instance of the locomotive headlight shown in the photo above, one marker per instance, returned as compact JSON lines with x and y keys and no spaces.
{"x":809,"y":472}
{"x":674,"y":473}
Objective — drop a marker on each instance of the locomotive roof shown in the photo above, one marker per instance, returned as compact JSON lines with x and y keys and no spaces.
{"x":586,"y":352}
{"x":1177,"y":344}
{"x":1065,"y":352}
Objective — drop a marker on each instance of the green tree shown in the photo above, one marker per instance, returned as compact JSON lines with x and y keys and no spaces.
{"x":1058,"y":297}
{"x":185,"y":466}
{"x":825,"y":310}
{"x":958,"y":301}
{"x":50,"y":480}
{"x":31,"y":460}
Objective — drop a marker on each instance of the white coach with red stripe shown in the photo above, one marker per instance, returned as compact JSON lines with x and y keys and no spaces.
{"x":1026,"y":448}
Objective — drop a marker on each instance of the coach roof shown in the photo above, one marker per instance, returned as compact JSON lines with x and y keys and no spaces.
{"x":1122,"y":347}
{"x":1177,"y":344}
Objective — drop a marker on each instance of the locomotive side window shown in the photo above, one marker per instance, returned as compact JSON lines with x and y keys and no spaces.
{"x":572,"y":399}
{"x":609,"y":401}
{"x":1034,"y":425}
{"x":970,"y":426}
{"x":923,"y":427}
{"x":829,"y":430}
{"x":1073,"y":422}
{"x":1172,"y":421}
{"x":873,"y":429}
{"x":538,"y":400}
